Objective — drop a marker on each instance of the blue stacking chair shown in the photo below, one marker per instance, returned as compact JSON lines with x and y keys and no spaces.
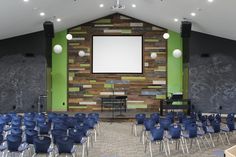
{"x":165,"y":123}
{"x":29,"y":139}
{"x":171,"y":116}
{"x":155,"y":117}
{"x":57,"y":133}
{"x":16,"y":131}
{"x":51,"y":116}
{"x":29,"y":124}
{"x":3,"y":147}
{"x":80,"y":117}
{"x":156,"y":136}
{"x":191,"y":134}
{"x":44,"y":128}
{"x":65,"y":145}
{"x":230,"y":128}
{"x":79,"y":139}
{"x":181,"y":116}
{"x":175,"y":135}
{"x":13,"y":145}
{"x":91,"y":123}
{"x":42,"y":145}
{"x":71,"y":122}
{"x":148,"y":125}
{"x":139,"y":120}
{"x":96,"y":117}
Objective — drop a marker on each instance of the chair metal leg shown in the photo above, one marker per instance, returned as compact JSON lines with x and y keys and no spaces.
{"x":198,"y":144}
{"x":83,"y":147}
{"x":168,"y":146}
{"x":145,"y":147}
{"x":95,"y":135}
{"x":227,"y":138}
{"x":164,"y":146}
{"x":221,"y":139}
{"x":213,"y":144}
{"x":150,"y":148}
{"x":181,"y":144}
{"x":186,"y":145}
{"x":135,"y":130}
{"x":207,"y":141}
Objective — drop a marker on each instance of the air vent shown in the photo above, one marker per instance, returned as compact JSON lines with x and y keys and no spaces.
{"x":118,"y":6}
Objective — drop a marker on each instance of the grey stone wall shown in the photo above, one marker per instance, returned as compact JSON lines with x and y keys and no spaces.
{"x":22,"y":80}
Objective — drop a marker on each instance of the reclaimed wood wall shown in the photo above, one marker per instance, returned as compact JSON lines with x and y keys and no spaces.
{"x":143,"y":90}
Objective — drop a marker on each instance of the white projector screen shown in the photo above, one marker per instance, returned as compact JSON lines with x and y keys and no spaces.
{"x":117,"y":54}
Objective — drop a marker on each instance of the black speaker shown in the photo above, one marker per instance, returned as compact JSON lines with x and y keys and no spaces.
{"x":186,"y":29}
{"x":48,"y":29}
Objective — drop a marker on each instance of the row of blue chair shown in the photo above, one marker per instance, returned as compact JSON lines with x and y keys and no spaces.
{"x":47,"y":133}
{"x":187,"y":129}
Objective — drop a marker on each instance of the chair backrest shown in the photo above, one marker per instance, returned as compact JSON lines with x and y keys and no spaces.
{"x":83,"y":128}
{"x":175,"y":131}
{"x":157,"y":134}
{"x":165,"y":123}
{"x":71,"y":122}
{"x":58,"y":133}
{"x":44,"y":128}
{"x":1,"y":139}
{"x":90,"y":122}
{"x":181,"y":116}
{"x":30,"y":135}
{"x":218,"y":117}
{"x":29,"y":124}
{"x":140,"y":118}
{"x":149,"y":124}
{"x":13,"y":142}
{"x":64,"y":144}
{"x":80,"y":117}
{"x":76,"y":135}
{"x":16,"y":131}
{"x":155,"y":117}
{"x":41,"y":144}
{"x":231,"y":125}
{"x":216,"y":126}
{"x":192,"y":130}
{"x":95,"y":116}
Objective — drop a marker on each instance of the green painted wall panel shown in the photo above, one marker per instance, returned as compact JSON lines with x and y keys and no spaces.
{"x":175,"y":65}
{"x":59,"y":74}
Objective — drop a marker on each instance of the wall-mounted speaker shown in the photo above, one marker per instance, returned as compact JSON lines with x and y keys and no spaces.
{"x":186,"y":27}
{"x":48,"y":29}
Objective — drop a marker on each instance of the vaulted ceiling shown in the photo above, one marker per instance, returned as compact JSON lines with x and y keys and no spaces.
{"x":217,"y":18}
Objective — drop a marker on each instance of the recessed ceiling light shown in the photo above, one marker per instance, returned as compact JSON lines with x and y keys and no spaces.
{"x":26,"y":0}
{"x":210,"y":1}
{"x":101,"y":5}
{"x":58,"y":20}
{"x":176,"y":20}
{"x":193,"y":14}
{"x":42,"y":14}
{"x":134,"y":5}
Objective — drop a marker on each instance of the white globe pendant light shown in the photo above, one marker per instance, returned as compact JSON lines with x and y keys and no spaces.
{"x":69,"y":37}
{"x":177,"y":53}
{"x":166,"y":35}
{"x":81,"y":53}
{"x":153,"y":55}
{"x":57,"y":49}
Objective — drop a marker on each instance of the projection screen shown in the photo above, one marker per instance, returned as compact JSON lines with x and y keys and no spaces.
{"x":117,"y":54}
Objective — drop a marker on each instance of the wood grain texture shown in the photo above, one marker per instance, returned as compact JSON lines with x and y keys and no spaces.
{"x":143,"y":90}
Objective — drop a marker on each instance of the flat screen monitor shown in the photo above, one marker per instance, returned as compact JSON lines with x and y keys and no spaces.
{"x":117,"y":54}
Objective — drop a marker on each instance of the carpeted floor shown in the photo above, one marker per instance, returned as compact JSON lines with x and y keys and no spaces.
{"x":116,"y":140}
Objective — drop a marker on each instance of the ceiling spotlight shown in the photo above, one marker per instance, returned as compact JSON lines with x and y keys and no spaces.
{"x":26,"y":0}
{"x":42,"y":14}
{"x":176,"y":20}
{"x":101,"y":5}
{"x":193,"y":14}
{"x":134,"y":5}
{"x":58,"y":20}
{"x":210,"y":1}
